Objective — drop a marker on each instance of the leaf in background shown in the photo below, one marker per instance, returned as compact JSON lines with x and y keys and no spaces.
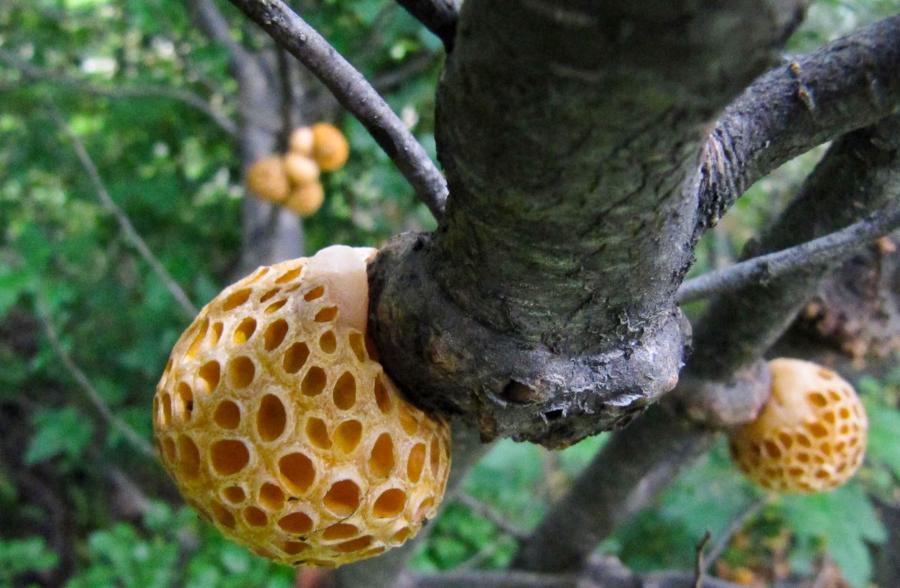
{"x":24,"y":555}
{"x":884,"y":425}
{"x":845,"y":520}
{"x":58,"y":432}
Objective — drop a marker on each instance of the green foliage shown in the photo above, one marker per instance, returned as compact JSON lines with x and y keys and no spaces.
{"x":844,"y":520}
{"x":58,"y":432}
{"x":21,"y":556}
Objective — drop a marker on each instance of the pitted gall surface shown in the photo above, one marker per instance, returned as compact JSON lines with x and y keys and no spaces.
{"x":281,"y":428}
{"x":810,"y":435}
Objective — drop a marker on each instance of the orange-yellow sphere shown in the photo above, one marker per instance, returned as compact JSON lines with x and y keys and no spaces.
{"x":810,"y":435}
{"x":279,"y":425}
{"x":330,"y":147}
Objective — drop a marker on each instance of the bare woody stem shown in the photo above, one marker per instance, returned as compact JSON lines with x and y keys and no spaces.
{"x":130,"y":435}
{"x":763,"y":269}
{"x":354,"y":93}
{"x":640,"y":461}
{"x":438,"y":15}
{"x":128,"y":231}
{"x":847,"y":84}
{"x":543,"y":307}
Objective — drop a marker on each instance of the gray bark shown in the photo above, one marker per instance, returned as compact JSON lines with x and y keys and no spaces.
{"x":543,"y":306}
{"x":810,"y":99}
{"x":733,"y":335}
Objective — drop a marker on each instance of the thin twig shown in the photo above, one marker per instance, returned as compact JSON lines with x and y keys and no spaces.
{"x":130,"y":91}
{"x":439,"y":16}
{"x":736,"y":524}
{"x":699,"y":566}
{"x":128,"y":230}
{"x":93,"y":396}
{"x":486,"y":512}
{"x":768,"y":267}
{"x":287,"y":97}
{"x":354,"y":93}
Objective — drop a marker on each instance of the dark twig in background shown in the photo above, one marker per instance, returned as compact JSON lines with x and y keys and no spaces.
{"x":486,"y":512}
{"x":93,"y":396}
{"x":737,"y":523}
{"x":128,"y":231}
{"x":355,"y":94}
{"x":439,"y":16}
{"x":764,"y":268}
{"x":699,"y":566}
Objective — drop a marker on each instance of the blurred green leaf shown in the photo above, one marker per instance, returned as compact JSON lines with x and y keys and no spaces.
{"x":58,"y":432}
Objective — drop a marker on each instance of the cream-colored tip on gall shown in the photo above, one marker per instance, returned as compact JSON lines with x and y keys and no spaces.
{"x":810,"y":435}
{"x":279,"y":425}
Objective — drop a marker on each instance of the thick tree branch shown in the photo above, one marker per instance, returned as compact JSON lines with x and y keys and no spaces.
{"x":543,"y":308}
{"x":128,"y":91}
{"x":128,"y":231}
{"x":763,"y":269}
{"x":354,"y":93}
{"x":810,"y":99}
{"x":725,"y":369}
{"x":438,"y":15}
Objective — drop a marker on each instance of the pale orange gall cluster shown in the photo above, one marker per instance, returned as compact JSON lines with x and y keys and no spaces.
{"x":810,"y":435}
{"x":279,"y":425}
{"x":292,"y":180}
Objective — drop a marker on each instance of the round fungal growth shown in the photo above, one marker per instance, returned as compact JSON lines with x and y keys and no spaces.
{"x":330,"y":147}
{"x":268,"y":179}
{"x":809,"y":437}
{"x":301,"y":141}
{"x":301,"y":169}
{"x":279,"y":427}
{"x":306,"y":200}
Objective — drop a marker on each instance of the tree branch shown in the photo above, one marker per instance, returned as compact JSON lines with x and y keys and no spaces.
{"x":439,"y":16}
{"x":486,"y":512}
{"x":93,"y":396}
{"x":725,"y":369}
{"x":763,"y":269}
{"x":543,"y":309}
{"x":734,"y":527}
{"x":142,"y":91}
{"x":847,"y":84}
{"x":354,"y":93}
{"x":605,"y":573}
{"x":214,"y":24}
{"x":128,"y":231}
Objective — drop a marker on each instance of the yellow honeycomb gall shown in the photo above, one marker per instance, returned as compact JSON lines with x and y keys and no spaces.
{"x":810,"y":435}
{"x":279,"y":425}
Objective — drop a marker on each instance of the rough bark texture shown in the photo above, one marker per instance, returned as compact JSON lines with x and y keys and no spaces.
{"x":638,"y":462}
{"x":857,"y":309}
{"x":543,"y":306}
{"x":859,"y":174}
{"x":846,"y":85}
